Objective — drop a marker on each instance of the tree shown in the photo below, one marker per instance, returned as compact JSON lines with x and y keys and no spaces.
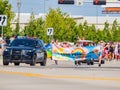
{"x":79,"y":31}
{"x":115,"y":25}
{"x":107,"y":34}
{"x":6,"y":9}
{"x":63,"y":25}
{"x":116,"y":31}
{"x":66,"y":29}
{"x":35,"y":27}
{"x":31,"y":26}
{"x":106,"y":26}
{"x":16,"y":32}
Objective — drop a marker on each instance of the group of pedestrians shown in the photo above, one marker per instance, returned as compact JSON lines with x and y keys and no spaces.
{"x":111,"y":51}
{"x":108,"y":51}
{"x":55,"y":43}
{"x":4,"y":42}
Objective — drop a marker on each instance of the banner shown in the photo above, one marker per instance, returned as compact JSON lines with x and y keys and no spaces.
{"x":75,"y":53}
{"x":49,"y":50}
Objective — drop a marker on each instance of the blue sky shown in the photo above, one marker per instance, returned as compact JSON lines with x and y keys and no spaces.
{"x":41,"y":6}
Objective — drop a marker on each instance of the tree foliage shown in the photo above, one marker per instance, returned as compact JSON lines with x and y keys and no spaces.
{"x":62,"y":23}
{"x":6,"y":9}
{"x":35,"y":27}
{"x":66,"y":29}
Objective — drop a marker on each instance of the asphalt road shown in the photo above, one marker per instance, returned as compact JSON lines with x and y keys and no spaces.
{"x":64,"y":76}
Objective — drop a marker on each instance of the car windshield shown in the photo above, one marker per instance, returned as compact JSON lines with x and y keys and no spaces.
{"x":23,"y":42}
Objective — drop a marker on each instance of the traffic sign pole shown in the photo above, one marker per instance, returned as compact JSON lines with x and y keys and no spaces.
{"x":2,"y":33}
{"x":50,"y":33}
{"x":3,"y":22}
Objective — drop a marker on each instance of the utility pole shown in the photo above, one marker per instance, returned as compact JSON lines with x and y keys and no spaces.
{"x":44,"y":9}
{"x":18,"y":20}
{"x":97,"y":17}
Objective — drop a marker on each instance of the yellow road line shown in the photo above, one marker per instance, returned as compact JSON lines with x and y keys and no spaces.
{"x":53,"y":76}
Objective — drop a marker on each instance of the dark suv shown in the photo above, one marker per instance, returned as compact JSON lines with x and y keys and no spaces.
{"x":25,"y":50}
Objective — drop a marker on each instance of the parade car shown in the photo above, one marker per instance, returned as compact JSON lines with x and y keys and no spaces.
{"x":93,"y":54}
{"x":25,"y":50}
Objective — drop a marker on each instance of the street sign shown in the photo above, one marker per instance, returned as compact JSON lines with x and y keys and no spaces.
{"x":50,"y":31}
{"x":79,"y":2}
{"x":3,"y":20}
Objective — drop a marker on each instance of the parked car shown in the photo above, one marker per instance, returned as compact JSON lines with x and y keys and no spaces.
{"x":25,"y":50}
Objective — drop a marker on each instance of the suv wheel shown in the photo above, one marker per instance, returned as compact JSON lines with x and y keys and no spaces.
{"x":33,"y":61}
{"x":5,"y":62}
{"x":43,"y":63}
{"x":16,"y":63}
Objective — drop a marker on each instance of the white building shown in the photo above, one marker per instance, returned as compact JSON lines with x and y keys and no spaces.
{"x":96,"y":20}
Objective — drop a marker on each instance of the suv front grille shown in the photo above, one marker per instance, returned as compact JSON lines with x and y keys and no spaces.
{"x":16,"y":54}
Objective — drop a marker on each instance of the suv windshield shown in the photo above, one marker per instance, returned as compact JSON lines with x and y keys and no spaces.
{"x":24,"y":42}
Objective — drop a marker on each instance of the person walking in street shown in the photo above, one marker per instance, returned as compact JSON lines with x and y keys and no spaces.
{"x":55,"y":44}
{"x":12,"y":38}
{"x":2,"y":44}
